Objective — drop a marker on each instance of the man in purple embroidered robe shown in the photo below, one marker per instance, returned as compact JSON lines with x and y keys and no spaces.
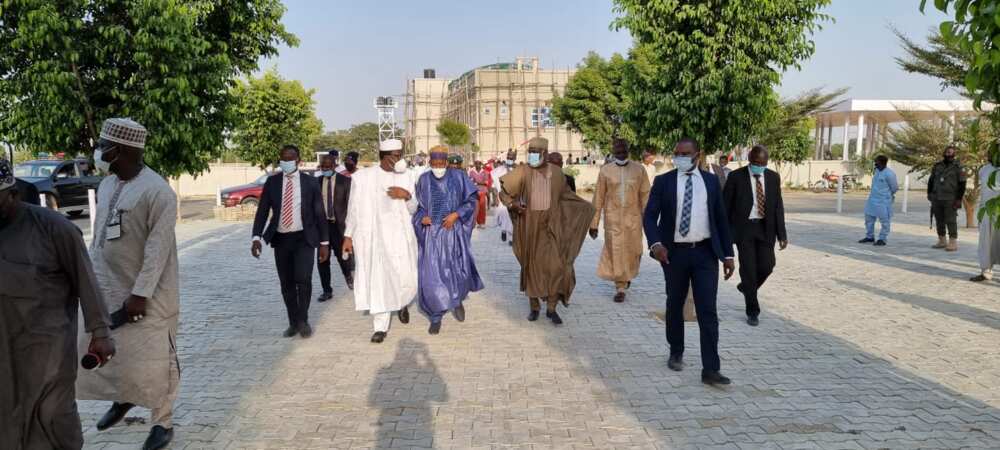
{"x":443,"y":223}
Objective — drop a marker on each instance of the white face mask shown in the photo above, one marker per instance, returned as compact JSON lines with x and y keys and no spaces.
{"x":439,"y":172}
{"x":400,"y":166}
{"x":621,"y":162}
{"x":101,"y":164}
{"x":509,"y":162}
{"x":534,"y":159}
{"x":683,"y":163}
{"x":288,"y":166}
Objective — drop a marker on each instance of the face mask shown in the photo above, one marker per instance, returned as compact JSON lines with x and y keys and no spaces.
{"x":509,"y":162}
{"x":683,"y":163}
{"x":621,"y":162}
{"x":949,"y":159}
{"x":102,"y":165}
{"x":327,"y":173}
{"x":535,"y":159}
{"x":439,"y":172}
{"x":757,"y":170}
{"x":288,"y":166}
{"x":400,"y":166}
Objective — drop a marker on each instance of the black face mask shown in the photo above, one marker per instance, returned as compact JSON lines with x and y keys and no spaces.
{"x":949,"y":159}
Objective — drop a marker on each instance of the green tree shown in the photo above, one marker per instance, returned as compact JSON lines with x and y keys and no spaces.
{"x":786,"y":132}
{"x":594,"y":102}
{"x":169,"y":64}
{"x":454,"y":133}
{"x":362,"y":138}
{"x":273,"y":112}
{"x":707,"y":69}
{"x":976,"y":31}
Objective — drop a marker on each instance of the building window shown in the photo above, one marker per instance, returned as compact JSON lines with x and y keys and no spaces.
{"x":503,"y":110}
{"x":541,"y":117}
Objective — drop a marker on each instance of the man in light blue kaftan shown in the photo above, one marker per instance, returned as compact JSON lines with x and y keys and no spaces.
{"x":443,"y":223}
{"x":879,"y":204}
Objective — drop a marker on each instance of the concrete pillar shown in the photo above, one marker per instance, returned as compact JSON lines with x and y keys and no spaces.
{"x":861,"y":134}
{"x":847,"y":138}
{"x":829,"y":138}
{"x":951,"y":130}
{"x":817,"y":139}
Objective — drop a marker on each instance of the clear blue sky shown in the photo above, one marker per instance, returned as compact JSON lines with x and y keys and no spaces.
{"x":351,"y":51}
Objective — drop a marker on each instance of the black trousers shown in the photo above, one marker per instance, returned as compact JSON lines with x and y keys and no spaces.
{"x":757,"y":262}
{"x":698,"y":267}
{"x":946,"y":217}
{"x":294,"y":259}
{"x":346,"y":267}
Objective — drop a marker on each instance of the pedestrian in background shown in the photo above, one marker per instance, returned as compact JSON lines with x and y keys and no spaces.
{"x":879,"y":204}
{"x":989,"y":236}
{"x":945,"y":189}
{"x":335,"y":190}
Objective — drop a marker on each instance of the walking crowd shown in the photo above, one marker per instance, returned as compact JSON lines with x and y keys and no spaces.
{"x":399,"y":234}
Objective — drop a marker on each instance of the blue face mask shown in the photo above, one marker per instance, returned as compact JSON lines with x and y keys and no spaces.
{"x":288,"y":166}
{"x":757,"y":170}
{"x":535,"y":159}
{"x":683,"y":163}
{"x":327,"y":173}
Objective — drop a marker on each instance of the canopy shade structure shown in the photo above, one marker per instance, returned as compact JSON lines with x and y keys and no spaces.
{"x":872,"y":118}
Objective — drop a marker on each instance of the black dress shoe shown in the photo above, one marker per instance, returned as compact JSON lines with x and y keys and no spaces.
{"x":866,"y":241}
{"x":880,"y":243}
{"x":305,"y":330}
{"x":620,"y":297}
{"x":378,"y":337}
{"x":459,"y":313}
{"x":404,"y":315}
{"x":350,"y":281}
{"x":159,"y":437}
{"x":714,"y":378}
{"x":554,"y":317}
{"x":533,"y":315}
{"x":435,"y":328}
{"x":676,"y":363}
{"x":326,"y":296}
{"x":753,"y":321}
{"x":291,"y":331}
{"x":503,"y":236}
{"x":114,"y":415}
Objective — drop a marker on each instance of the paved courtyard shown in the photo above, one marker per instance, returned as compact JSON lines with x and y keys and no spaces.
{"x":857,"y":348}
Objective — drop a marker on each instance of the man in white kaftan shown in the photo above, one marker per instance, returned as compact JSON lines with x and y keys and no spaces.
{"x":503,"y":217}
{"x":380,"y":235}
{"x":134,"y":252}
{"x":989,"y":236}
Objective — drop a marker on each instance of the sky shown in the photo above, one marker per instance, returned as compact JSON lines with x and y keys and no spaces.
{"x":352,"y":51}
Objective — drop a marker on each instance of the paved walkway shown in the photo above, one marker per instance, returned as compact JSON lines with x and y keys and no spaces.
{"x":857,"y":348}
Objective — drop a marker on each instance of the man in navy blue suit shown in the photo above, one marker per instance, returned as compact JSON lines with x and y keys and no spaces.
{"x":688,"y":233}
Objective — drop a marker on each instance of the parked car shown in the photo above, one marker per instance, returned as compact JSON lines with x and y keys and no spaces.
{"x":249,"y":194}
{"x":64,"y":183}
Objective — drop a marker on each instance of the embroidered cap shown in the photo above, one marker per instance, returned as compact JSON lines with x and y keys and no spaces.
{"x":6,"y":175}
{"x":124,"y":131}
{"x":390,"y":145}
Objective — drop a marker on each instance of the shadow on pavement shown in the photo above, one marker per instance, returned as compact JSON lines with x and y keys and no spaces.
{"x":956,"y":310}
{"x":404,"y":393}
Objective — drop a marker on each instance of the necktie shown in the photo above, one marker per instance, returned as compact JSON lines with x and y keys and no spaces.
{"x":287,"y":209}
{"x":686,"y":210}
{"x":760,"y":196}
{"x":329,"y":197}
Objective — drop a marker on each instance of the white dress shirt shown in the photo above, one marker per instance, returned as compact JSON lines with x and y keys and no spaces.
{"x":296,"y":203}
{"x":699,"y":229}
{"x":753,"y":194}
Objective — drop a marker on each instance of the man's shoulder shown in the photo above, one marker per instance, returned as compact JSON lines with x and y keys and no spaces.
{"x":157,"y":183}
{"x":52,"y":220}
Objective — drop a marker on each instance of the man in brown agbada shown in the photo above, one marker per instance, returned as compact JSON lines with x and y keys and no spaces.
{"x":550,"y":223}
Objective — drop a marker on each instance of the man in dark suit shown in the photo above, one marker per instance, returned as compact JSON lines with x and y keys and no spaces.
{"x":296,"y":229}
{"x":335,"y":189}
{"x":757,"y":218}
{"x":685,"y":225}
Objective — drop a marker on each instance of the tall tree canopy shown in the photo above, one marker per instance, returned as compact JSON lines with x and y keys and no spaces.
{"x":453,"y":132}
{"x":273,"y":112}
{"x":786,"y":132}
{"x":707,"y":69}
{"x":362,"y":138}
{"x":594,"y":102}
{"x":169,"y":64}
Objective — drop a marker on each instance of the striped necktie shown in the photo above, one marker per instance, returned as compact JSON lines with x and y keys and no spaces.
{"x":287,"y":209}
{"x":686,"y":210}
{"x":760,"y":196}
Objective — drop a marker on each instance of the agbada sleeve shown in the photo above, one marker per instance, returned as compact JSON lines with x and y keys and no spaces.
{"x":75,"y":261}
{"x":161,"y":219}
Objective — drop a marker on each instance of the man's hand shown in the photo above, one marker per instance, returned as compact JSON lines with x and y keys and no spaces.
{"x":957,"y":204}
{"x":593,"y":233}
{"x":324,"y":253}
{"x":255,"y":249}
{"x":660,"y":254}
{"x":135,"y":308}
{"x":398,"y":193}
{"x":347,"y":247}
{"x":517,"y":208}
{"x":449,"y":221}
{"x":103,"y":347}
{"x":426,"y":221}
{"x":728,"y":267}
{"x":782,"y":245}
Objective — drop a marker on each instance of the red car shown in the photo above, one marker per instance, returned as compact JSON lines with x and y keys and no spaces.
{"x":249,"y":194}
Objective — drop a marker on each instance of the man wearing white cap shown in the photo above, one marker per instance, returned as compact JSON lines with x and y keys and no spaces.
{"x":45,"y":276}
{"x":380,"y":236}
{"x":135,"y":258}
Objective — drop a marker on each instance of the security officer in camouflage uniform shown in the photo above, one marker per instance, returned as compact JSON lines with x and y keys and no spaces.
{"x":945,"y":190}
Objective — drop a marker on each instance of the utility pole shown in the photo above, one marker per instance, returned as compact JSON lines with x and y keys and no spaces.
{"x":386,"y":108}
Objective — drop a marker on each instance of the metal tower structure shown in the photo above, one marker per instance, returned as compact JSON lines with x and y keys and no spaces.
{"x":386,"y":107}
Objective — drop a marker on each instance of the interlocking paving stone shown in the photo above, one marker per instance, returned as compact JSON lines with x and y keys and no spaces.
{"x":858,"y":347}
